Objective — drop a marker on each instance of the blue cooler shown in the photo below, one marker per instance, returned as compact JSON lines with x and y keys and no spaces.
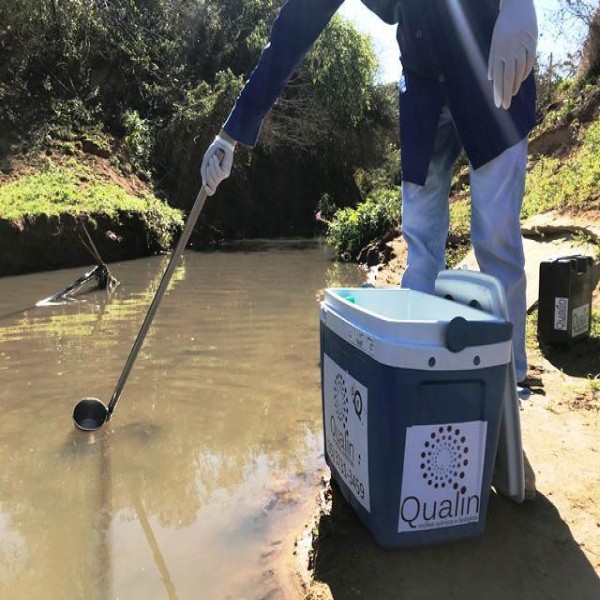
{"x":412,"y":386}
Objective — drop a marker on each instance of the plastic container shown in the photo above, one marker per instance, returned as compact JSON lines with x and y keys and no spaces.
{"x":565,"y":299}
{"x":413,"y":386}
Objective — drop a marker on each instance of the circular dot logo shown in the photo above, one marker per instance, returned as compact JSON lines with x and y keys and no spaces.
{"x":444,"y":458}
{"x":357,"y":402}
{"x":340,"y":399}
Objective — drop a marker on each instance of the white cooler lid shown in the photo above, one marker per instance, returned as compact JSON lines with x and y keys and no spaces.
{"x":407,"y":329}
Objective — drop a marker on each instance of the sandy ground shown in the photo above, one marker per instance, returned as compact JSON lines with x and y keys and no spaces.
{"x":548,"y":548}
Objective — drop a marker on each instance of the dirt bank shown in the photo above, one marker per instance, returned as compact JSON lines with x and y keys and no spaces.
{"x":40,"y":242}
{"x":46,"y":243}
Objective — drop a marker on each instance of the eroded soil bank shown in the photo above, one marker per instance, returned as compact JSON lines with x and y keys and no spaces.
{"x":45,"y":243}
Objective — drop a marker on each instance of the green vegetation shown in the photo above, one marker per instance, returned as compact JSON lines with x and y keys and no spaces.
{"x":595,"y":326}
{"x":352,"y":229}
{"x":161,"y":76}
{"x":574,"y":183}
{"x":158,"y":78}
{"x":73,"y":189}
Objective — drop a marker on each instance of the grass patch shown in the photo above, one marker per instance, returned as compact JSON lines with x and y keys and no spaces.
{"x":460,"y":216}
{"x":73,"y":189}
{"x":459,"y":236}
{"x":573,"y":183}
{"x":531,"y":338}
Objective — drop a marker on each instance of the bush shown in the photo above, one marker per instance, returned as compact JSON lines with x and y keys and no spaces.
{"x":137,"y":140}
{"x":590,"y":56}
{"x":352,"y":229}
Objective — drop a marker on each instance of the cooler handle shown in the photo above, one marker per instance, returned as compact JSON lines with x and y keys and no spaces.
{"x":461,"y":333}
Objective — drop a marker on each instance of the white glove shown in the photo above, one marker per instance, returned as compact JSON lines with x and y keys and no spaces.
{"x":512,"y":53}
{"x":216,"y":164}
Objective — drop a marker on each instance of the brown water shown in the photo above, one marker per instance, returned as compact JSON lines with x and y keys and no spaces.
{"x":214,"y":442}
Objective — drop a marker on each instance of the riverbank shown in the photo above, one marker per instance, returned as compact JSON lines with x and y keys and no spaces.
{"x":50,"y":195}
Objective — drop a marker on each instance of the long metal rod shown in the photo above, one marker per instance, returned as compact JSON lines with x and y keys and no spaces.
{"x":175,"y":256}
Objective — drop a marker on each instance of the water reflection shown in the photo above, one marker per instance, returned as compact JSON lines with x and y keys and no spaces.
{"x":215,"y":438}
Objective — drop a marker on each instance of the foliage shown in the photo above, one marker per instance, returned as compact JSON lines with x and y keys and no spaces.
{"x":459,"y":234}
{"x":460,"y":216}
{"x":341,"y":67}
{"x":162,"y":75}
{"x":554,"y":184}
{"x":557,"y":79}
{"x":552,"y":82}
{"x":349,"y":230}
{"x":190,"y":129}
{"x":352,"y":229}
{"x":324,"y":105}
{"x":384,"y":175}
{"x":77,"y":61}
{"x":590,"y":63}
{"x":73,"y":189}
{"x":326,"y":209}
{"x":584,"y":13}
{"x":137,"y":139}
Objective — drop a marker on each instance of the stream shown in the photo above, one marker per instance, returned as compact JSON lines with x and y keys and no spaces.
{"x":214,"y":443}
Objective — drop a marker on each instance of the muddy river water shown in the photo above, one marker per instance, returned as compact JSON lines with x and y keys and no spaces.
{"x":216,"y":438}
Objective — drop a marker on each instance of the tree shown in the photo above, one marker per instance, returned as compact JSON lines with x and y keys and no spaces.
{"x":587,"y":13}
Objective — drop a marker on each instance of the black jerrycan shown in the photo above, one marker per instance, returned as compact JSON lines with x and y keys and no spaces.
{"x":565,"y":299}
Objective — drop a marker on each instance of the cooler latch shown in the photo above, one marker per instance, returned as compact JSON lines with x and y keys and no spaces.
{"x":461,"y":333}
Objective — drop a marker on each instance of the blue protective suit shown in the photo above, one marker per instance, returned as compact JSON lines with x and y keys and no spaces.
{"x":444,"y":49}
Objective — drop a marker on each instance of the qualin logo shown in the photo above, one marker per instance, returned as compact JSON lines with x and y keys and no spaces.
{"x":443,"y":471}
{"x":445,"y":458}
{"x":339,"y":423}
{"x":346,"y":409}
{"x":340,"y":400}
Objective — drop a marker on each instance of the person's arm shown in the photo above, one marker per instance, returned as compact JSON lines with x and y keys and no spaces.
{"x":295,"y":30}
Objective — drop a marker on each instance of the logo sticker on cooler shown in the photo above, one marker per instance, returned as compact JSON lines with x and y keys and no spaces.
{"x":346,"y":429}
{"x":443,"y":471}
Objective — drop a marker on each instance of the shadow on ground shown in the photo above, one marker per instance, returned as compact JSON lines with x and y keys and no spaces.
{"x":526,"y":552}
{"x":579,"y":360}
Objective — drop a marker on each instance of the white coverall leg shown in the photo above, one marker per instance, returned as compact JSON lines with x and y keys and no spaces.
{"x":496,"y":196}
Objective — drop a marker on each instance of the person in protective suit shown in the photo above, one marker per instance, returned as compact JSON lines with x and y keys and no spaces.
{"x":467,"y":83}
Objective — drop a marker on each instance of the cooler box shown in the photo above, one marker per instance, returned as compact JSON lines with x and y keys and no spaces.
{"x":412,"y":388}
{"x":565,"y":299}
